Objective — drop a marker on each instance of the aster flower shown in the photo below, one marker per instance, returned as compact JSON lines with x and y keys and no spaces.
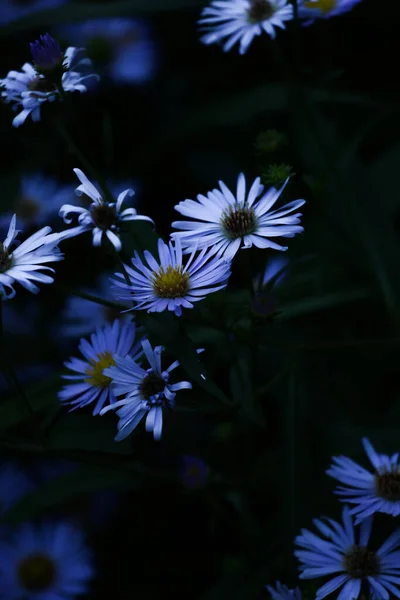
{"x":81,"y":316}
{"x":194,"y":472}
{"x":23,"y":265}
{"x":312,"y":10}
{"x":243,"y":20}
{"x":355,"y":565}
{"x":90,"y":384}
{"x":263,"y":302}
{"x":45,"y":562}
{"x":282,"y":592}
{"x":169,"y":284}
{"x":227,"y":223}
{"x":102,"y":217}
{"x":376,"y":491}
{"x":39,"y":198}
{"x":28,"y":89}
{"x":146,"y":391}
{"x":122,"y":46}
{"x":10,"y":10}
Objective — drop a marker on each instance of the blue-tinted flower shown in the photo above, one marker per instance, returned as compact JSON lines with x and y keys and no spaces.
{"x":312,"y":10}
{"x":81,"y":316}
{"x":282,"y":592}
{"x":242,"y":20}
{"x":263,"y":301}
{"x":25,"y":263}
{"x":39,"y":198}
{"x":28,"y":89}
{"x":47,"y":562}
{"x":102,"y":217}
{"x":46,"y":54}
{"x":227,"y":223}
{"x":377,"y":491}
{"x":145,"y":390}
{"x":352,"y":563}
{"x":194,"y":472}
{"x":169,"y":284}
{"x":91,"y":384}
{"x":14,"y":485}
{"x":123,"y":46}
{"x":15,"y":9}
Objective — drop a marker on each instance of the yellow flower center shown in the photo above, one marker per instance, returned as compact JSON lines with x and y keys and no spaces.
{"x":96,"y":368}
{"x":171,"y":282}
{"x":36,"y":572}
{"x":325,"y":6}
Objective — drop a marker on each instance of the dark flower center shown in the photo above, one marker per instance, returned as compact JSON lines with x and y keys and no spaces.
{"x":239,"y":221}
{"x":104,"y":216}
{"x":260,"y":10}
{"x":41,"y":84}
{"x":151,"y":385}
{"x":388,"y":485}
{"x":5,"y":260}
{"x":360,"y":562}
{"x":36,"y":572}
{"x":171,"y":282}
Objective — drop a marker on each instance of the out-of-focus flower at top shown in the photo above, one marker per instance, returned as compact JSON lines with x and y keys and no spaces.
{"x":312,"y":10}
{"x":242,"y":20}
{"x":168,"y":284}
{"x":10,"y":10}
{"x":194,"y":472}
{"x":90,"y":384}
{"x":371,"y":492}
{"x":45,"y":562}
{"x":81,"y":317}
{"x":226,"y":222}
{"x":23,"y":265}
{"x":146,"y":391}
{"x":270,"y":140}
{"x":38,"y":200}
{"x":102,"y":217}
{"x":282,"y":592}
{"x":28,"y":89}
{"x":349,"y":563}
{"x":122,"y":47}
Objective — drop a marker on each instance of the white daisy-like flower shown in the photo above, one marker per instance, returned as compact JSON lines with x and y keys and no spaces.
{"x":242,"y":20}
{"x":370,"y":491}
{"x":168,"y":284}
{"x":25,"y":263}
{"x":90,"y":384}
{"x":146,"y":391}
{"x":350,"y":562}
{"x":282,"y":592}
{"x":102,"y":217}
{"x":312,"y":10}
{"x":45,"y":562}
{"x":227,"y":222}
{"x":35,"y":84}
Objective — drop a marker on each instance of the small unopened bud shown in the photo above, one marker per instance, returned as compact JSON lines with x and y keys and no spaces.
{"x":46,"y":54}
{"x":276,"y":174}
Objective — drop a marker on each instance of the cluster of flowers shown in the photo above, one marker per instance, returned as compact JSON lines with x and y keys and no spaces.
{"x":357,"y":567}
{"x":222,"y":223}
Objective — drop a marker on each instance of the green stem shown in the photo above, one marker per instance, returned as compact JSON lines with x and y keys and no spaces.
{"x":90,"y":297}
{"x":94,"y":174}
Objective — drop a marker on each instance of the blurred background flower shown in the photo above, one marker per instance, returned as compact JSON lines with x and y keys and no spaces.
{"x":122,"y":49}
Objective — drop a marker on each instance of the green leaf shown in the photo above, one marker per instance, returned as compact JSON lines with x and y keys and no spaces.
{"x":42,"y":396}
{"x":321,"y":302}
{"x":63,"y":489}
{"x":240,"y":378}
{"x":167,"y":331}
{"x":80,"y":11}
{"x":86,"y":432}
{"x":238,"y":109}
